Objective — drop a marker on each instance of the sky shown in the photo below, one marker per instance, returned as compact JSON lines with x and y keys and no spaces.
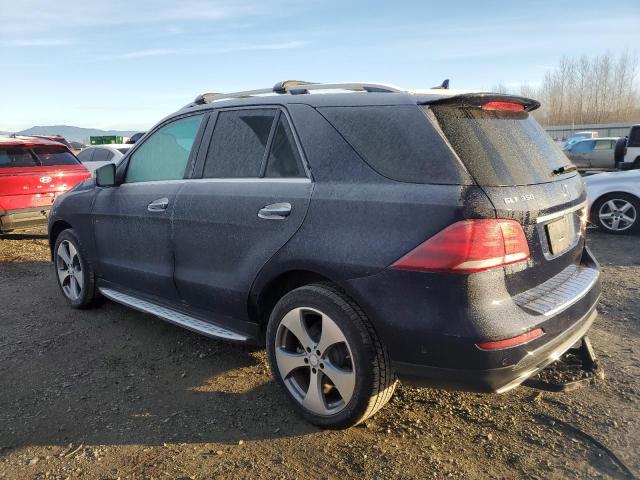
{"x":125,"y":64}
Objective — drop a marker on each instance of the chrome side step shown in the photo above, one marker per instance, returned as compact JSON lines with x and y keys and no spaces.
{"x":172,"y":316}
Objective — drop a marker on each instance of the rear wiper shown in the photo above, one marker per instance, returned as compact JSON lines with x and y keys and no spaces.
{"x":564,"y":169}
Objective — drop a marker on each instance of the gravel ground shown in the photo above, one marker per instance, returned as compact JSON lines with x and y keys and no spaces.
{"x":113,"y":393}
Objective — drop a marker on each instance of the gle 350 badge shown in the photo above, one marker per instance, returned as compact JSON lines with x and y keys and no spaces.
{"x":522,"y":198}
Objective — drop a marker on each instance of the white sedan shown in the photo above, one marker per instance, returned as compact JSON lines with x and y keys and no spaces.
{"x":614,"y":201}
{"x":97,"y":155}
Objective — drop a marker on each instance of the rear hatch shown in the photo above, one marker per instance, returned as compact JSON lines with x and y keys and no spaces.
{"x":31,"y":176}
{"x":525,"y":175}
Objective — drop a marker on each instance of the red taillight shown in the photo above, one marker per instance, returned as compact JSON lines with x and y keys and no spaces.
{"x":511,"y":342}
{"x":469,"y":246}
{"x":510,"y":106}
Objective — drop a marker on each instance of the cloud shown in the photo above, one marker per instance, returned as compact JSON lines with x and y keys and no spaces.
{"x":39,"y":42}
{"x":260,"y":46}
{"x":279,"y":46}
{"x":160,"y":52}
{"x":146,"y":53}
{"x":42,"y":15}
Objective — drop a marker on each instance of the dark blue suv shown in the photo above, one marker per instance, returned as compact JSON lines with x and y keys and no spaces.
{"x":360,"y":231}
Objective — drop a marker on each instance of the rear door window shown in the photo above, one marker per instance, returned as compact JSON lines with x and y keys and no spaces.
{"x":50,"y":156}
{"x":239,"y":143}
{"x":284,"y":158}
{"x":11,"y":157}
{"x":604,"y":145}
{"x":399,"y":142}
{"x":500,"y":147}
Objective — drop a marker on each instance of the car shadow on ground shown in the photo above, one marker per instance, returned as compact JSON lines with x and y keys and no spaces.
{"x":112,"y":375}
{"x":23,"y":236}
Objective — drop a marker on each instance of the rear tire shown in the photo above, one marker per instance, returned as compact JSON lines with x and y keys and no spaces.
{"x":74,"y":273}
{"x":319,"y":337}
{"x":617,"y":213}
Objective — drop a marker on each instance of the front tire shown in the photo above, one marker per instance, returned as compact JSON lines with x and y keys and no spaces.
{"x":617,"y":213}
{"x":327,"y":356}
{"x":74,"y":273}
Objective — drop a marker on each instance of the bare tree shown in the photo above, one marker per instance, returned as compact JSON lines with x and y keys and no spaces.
{"x":590,"y":90}
{"x":583,"y":90}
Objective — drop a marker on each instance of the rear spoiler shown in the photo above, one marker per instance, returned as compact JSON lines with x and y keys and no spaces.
{"x":480,"y":99}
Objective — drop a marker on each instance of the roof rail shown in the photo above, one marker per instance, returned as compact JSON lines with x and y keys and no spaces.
{"x":296,"y":87}
{"x":282,"y":87}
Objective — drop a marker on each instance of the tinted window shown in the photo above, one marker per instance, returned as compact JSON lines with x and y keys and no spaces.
{"x":55,"y":156}
{"x":164,"y":155}
{"x":583,"y":147}
{"x":16,"y":157}
{"x":102,"y":155}
{"x":85,"y":155}
{"x":284,"y":159}
{"x":500,"y":147}
{"x":398,"y":142}
{"x":634,"y":137}
{"x":238,"y":144}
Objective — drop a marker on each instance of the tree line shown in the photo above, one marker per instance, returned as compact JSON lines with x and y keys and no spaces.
{"x":584,"y":90}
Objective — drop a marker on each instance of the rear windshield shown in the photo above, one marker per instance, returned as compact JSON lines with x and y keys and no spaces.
{"x":55,"y":156}
{"x":500,"y":147}
{"x":16,"y":157}
{"x":35,"y":156}
{"x":399,"y":142}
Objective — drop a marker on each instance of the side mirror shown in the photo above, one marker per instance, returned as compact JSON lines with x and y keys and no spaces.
{"x":106,"y":175}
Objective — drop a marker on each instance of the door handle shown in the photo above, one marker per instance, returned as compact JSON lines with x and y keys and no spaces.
{"x":275,"y":211}
{"x":159,"y":205}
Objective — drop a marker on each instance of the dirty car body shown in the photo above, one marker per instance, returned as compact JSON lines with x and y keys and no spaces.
{"x":447,"y":217}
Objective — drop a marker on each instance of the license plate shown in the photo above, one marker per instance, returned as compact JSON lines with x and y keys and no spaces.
{"x":560,"y":235}
{"x":43,"y":201}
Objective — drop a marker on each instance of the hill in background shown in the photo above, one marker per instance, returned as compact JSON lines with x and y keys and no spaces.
{"x":73,"y":134}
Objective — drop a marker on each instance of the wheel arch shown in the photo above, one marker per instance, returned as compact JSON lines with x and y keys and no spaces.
{"x":609,"y":193}
{"x":56,"y":229}
{"x":267,"y":292}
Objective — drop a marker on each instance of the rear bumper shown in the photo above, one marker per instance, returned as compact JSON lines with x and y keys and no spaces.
{"x":497,"y":380}
{"x":431,"y":323}
{"x":23,"y":218}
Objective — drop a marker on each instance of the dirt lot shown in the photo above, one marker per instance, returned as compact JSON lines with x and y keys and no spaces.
{"x":112,"y":393}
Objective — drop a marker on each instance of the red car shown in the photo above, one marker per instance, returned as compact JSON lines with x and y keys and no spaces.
{"x":33,"y":172}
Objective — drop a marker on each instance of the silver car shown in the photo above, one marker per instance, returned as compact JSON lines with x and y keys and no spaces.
{"x":97,"y":155}
{"x":614,"y":201}
{"x":596,"y":153}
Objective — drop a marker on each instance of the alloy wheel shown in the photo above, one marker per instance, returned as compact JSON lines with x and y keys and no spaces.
{"x":617,"y":214}
{"x":69,"y":270}
{"x":315,"y":361}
